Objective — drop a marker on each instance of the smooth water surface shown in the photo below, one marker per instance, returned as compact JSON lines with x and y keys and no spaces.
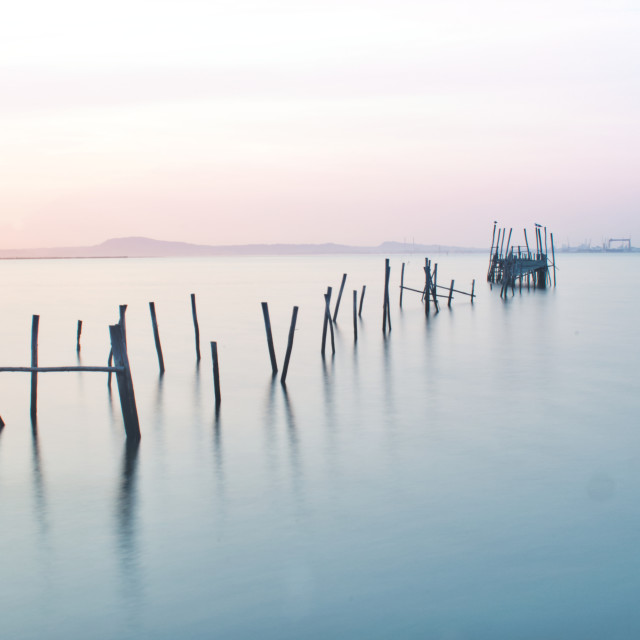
{"x":475,"y":474}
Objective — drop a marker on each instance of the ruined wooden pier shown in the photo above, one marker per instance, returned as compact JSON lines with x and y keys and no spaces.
{"x":514,"y":265}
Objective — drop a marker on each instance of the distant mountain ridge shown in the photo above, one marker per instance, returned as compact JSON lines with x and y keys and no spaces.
{"x":142,"y":247}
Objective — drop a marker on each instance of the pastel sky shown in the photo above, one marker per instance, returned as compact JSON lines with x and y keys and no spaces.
{"x":353,"y":121}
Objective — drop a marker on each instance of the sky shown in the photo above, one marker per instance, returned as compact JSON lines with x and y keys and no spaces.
{"x":350,"y":121}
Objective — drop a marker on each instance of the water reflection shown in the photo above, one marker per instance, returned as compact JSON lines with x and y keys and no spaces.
{"x":38,"y":480}
{"x":294,"y":449}
{"x":126,"y":522}
{"x":217,"y":450}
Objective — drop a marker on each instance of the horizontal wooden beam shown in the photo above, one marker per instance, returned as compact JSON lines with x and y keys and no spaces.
{"x":59,"y":369}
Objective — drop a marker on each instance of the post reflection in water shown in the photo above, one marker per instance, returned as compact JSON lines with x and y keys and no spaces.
{"x":294,"y":446}
{"x":217,"y":452}
{"x":270,"y":426}
{"x":126,"y":530}
{"x":38,"y":480}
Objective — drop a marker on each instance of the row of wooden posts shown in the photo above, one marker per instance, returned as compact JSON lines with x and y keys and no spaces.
{"x":118,"y":361}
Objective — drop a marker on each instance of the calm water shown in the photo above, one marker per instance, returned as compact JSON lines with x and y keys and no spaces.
{"x":474,"y":475}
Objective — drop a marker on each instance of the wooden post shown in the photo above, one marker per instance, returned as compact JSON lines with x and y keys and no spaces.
{"x":327,"y":300}
{"x":156,"y":335}
{"x":125,"y":383}
{"x":292,"y":329}
{"x":385,"y":302}
{"x":355,"y":316}
{"x":195,"y":325}
{"x":508,"y":242}
{"x":546,"y":251}
{"x":123,"y":310}
{"x":526,"y":241}
{"x":388,"y":298}
{"x":216,"y":373}
{"x":401,"y":284}
{"x":493,"y":238}
{"x":450,"y":294}
{"x":327,"y":320}
{"x":35,"y":321}
{"x":473,"y":288}
{"x":78,"y":336}
{"x":553,"y":256}
{"x":434,"y":289}
{"x":267,"y":326}
{"x":364,"y":288}
{"x":504,"y":233}
{"x":335,"y":313}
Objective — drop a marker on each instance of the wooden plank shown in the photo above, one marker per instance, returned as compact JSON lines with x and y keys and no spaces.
{"x":156,"y":336}
{"x":292,"y":328}
{"x":60,"y":369}
{"x":267,"y":327}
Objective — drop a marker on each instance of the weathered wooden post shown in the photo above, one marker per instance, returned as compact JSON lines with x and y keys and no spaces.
{"x":553,"y":256}
{"x":122,"y":309}
{"x":156,"y":335}
{"x":355,"y":316}
{"x":508,"y":242}
{"x":327,"y":322}
{"x":401,"y":284}
{"x":287,"y":357}
{"x":385,"y":303}
{"x":35,"y":321}
{"x":364,"y":288}
{"x":195,"y":325}
{"x":125,"y":382}
{"x":335,"y":313}
{"x":450,"y":294}
{"x":216,"y":373}
{"x":473,"y":288}
{"x":267,"y":326}
{"x":78,"y":336}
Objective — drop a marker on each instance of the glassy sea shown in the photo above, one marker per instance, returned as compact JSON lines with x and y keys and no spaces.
{"x":474,"y":474}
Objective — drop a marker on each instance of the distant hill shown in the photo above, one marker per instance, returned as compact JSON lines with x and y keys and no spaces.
{"x":140,"y":247}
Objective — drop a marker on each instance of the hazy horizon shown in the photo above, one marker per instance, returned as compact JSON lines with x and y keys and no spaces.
{"x":353,"y":122}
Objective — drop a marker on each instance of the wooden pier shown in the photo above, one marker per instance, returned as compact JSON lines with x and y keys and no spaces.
{"x":514,"y":265}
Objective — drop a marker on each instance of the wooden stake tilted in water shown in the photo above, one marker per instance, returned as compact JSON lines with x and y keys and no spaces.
{"x":287,"y":357}
{"x":156,"y":335}
{"x":327,"y":322}
{"x":216,"y":373}
{"x":195,"y":325}
{"x":78,"y":336}
{"x":364,"y":288}
{"x":267,"y":326}
{"x":125,"y":382}
{"x":335,"y":313}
